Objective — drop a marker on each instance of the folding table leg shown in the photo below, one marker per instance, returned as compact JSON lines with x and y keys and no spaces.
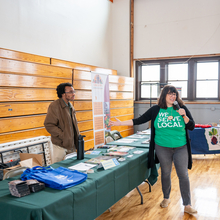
{"x":149,"y":185}
{"x":140,"y":194}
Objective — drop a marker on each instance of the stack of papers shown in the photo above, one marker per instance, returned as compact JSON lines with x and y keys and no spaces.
{"x":117,"y":153}
{"x":146,"y":141}
{"x":93,"y":152}
{"x":121,"y":149}
{"x":127,"y":141}
{"x":82,"y":167}
{"x":148,"y":131}
{"x":136,"y":136}
{"x":99,"y":159}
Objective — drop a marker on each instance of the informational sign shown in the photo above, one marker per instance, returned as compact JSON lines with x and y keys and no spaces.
{"x":212,"y":136}
{"x":110,"y":163}
{"x":101,"y":107}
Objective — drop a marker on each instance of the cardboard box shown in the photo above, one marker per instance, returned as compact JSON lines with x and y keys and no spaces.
{"x":31,"y":160}
{"x":9,"y":168}
{"x":27,"y":160}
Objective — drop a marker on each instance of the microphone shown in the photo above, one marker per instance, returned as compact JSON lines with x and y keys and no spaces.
{"x":177,"y":105}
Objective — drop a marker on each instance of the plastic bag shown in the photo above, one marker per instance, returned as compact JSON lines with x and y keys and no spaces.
{"x":59,"y":178}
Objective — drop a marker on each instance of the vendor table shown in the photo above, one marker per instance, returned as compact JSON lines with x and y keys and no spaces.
{"x":100,"y":191}
{"x":199,"y":142}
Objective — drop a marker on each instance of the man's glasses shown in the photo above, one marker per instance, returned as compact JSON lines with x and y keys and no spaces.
{"x":71,"y":92}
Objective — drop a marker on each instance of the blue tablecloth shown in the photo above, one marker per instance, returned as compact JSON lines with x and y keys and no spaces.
{"x":199,"y":143}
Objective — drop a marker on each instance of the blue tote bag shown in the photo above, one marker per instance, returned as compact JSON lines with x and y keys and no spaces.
{"x":59,"y":178}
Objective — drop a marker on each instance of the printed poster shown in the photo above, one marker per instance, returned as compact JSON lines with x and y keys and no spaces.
{"x":179,"y":89}
{"x":101,"y":107}
{"x":212,"y":137}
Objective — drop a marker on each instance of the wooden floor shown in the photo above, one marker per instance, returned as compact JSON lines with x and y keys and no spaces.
{"x":205,"y":193}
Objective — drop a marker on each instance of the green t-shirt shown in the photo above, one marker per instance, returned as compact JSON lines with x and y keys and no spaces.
{"x":169,"y":133}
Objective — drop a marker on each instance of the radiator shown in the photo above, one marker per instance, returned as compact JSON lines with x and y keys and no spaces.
{"x":31,"y":145}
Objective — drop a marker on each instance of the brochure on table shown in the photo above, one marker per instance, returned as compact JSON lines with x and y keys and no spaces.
{"x":121,"y":148}
{"x":99,"y":159}
{"x":82,"y":166}
{"x":110,"y":163}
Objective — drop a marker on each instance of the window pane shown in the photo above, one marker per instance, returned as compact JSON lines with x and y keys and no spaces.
{"x":207,"y":70}
{"x":151,"y":73}
{"x":178,"y":71}
{"x":207,"y":89}
{"x":145,"y":91}
{"x":182,"y":85}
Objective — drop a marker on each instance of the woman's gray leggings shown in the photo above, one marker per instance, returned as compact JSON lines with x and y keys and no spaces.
{"x":179,"y":156}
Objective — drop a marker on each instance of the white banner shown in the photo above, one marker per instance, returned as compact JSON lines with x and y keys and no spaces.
{"x":100,"y":106}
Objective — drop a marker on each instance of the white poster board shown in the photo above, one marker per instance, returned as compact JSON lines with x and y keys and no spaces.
{"x":100,"y":106}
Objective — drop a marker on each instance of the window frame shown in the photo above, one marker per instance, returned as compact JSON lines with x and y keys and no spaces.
{"x":192,"y":71}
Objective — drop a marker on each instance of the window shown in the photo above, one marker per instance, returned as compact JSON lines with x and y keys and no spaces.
{"x":198,"y":78}
{"x":207,"y":80}
{"x":150,"y":80}
{"x":178,"y":77}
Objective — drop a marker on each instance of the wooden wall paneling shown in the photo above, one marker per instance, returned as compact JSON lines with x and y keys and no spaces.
{"x":85,"y":125}
{"x":28,"y":81}
{"x":68,"y":64}
{"x":24,"y":108}
{"x":84,"y":115}
{"x":16,"y":55}
{"x":82,"y":105}
{"x":122,"y":111}
{"x":121,"y":103}
{"x":120,"y":128}
{"x":26,"y":94}
{"x":13,"y":80}
{"x":83,"y":95}
{"x":82,"y":75}
{"x":120,"y":79}
{"x":88,"y":135}
{"x":85,"y":85}
{"x":122,"y":118}
{"x":20,"y":67}
{"x":79,"y":66}
{"x":120,"y":87}
{"x":121,"y":95}
{"x":88,"y":145}
{"x":21,"y":123}
{"x":20,"y":135}
{"x":127,"y":132}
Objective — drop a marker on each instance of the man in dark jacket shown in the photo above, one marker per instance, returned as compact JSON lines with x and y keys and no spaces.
{"x":61,"y":123}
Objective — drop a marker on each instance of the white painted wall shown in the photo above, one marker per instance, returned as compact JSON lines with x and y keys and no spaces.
{"x":174,"y":28}
{"x":121,"y":37}
{"x":96,"y":32}
{"x":74,"y":30}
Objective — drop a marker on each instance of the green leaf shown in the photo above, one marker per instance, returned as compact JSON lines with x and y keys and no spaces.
{"x":214,"y":131}
{"x":210,"y":133}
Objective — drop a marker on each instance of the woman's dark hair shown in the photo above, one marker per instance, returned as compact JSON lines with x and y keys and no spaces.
{"x":61,"y":89}
{"x":162,"y":99}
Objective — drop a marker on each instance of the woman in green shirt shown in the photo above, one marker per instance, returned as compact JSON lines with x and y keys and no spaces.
{"x":170,"y":140}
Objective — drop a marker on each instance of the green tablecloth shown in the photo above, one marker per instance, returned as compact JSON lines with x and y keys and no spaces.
{"x":85,"y":201}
